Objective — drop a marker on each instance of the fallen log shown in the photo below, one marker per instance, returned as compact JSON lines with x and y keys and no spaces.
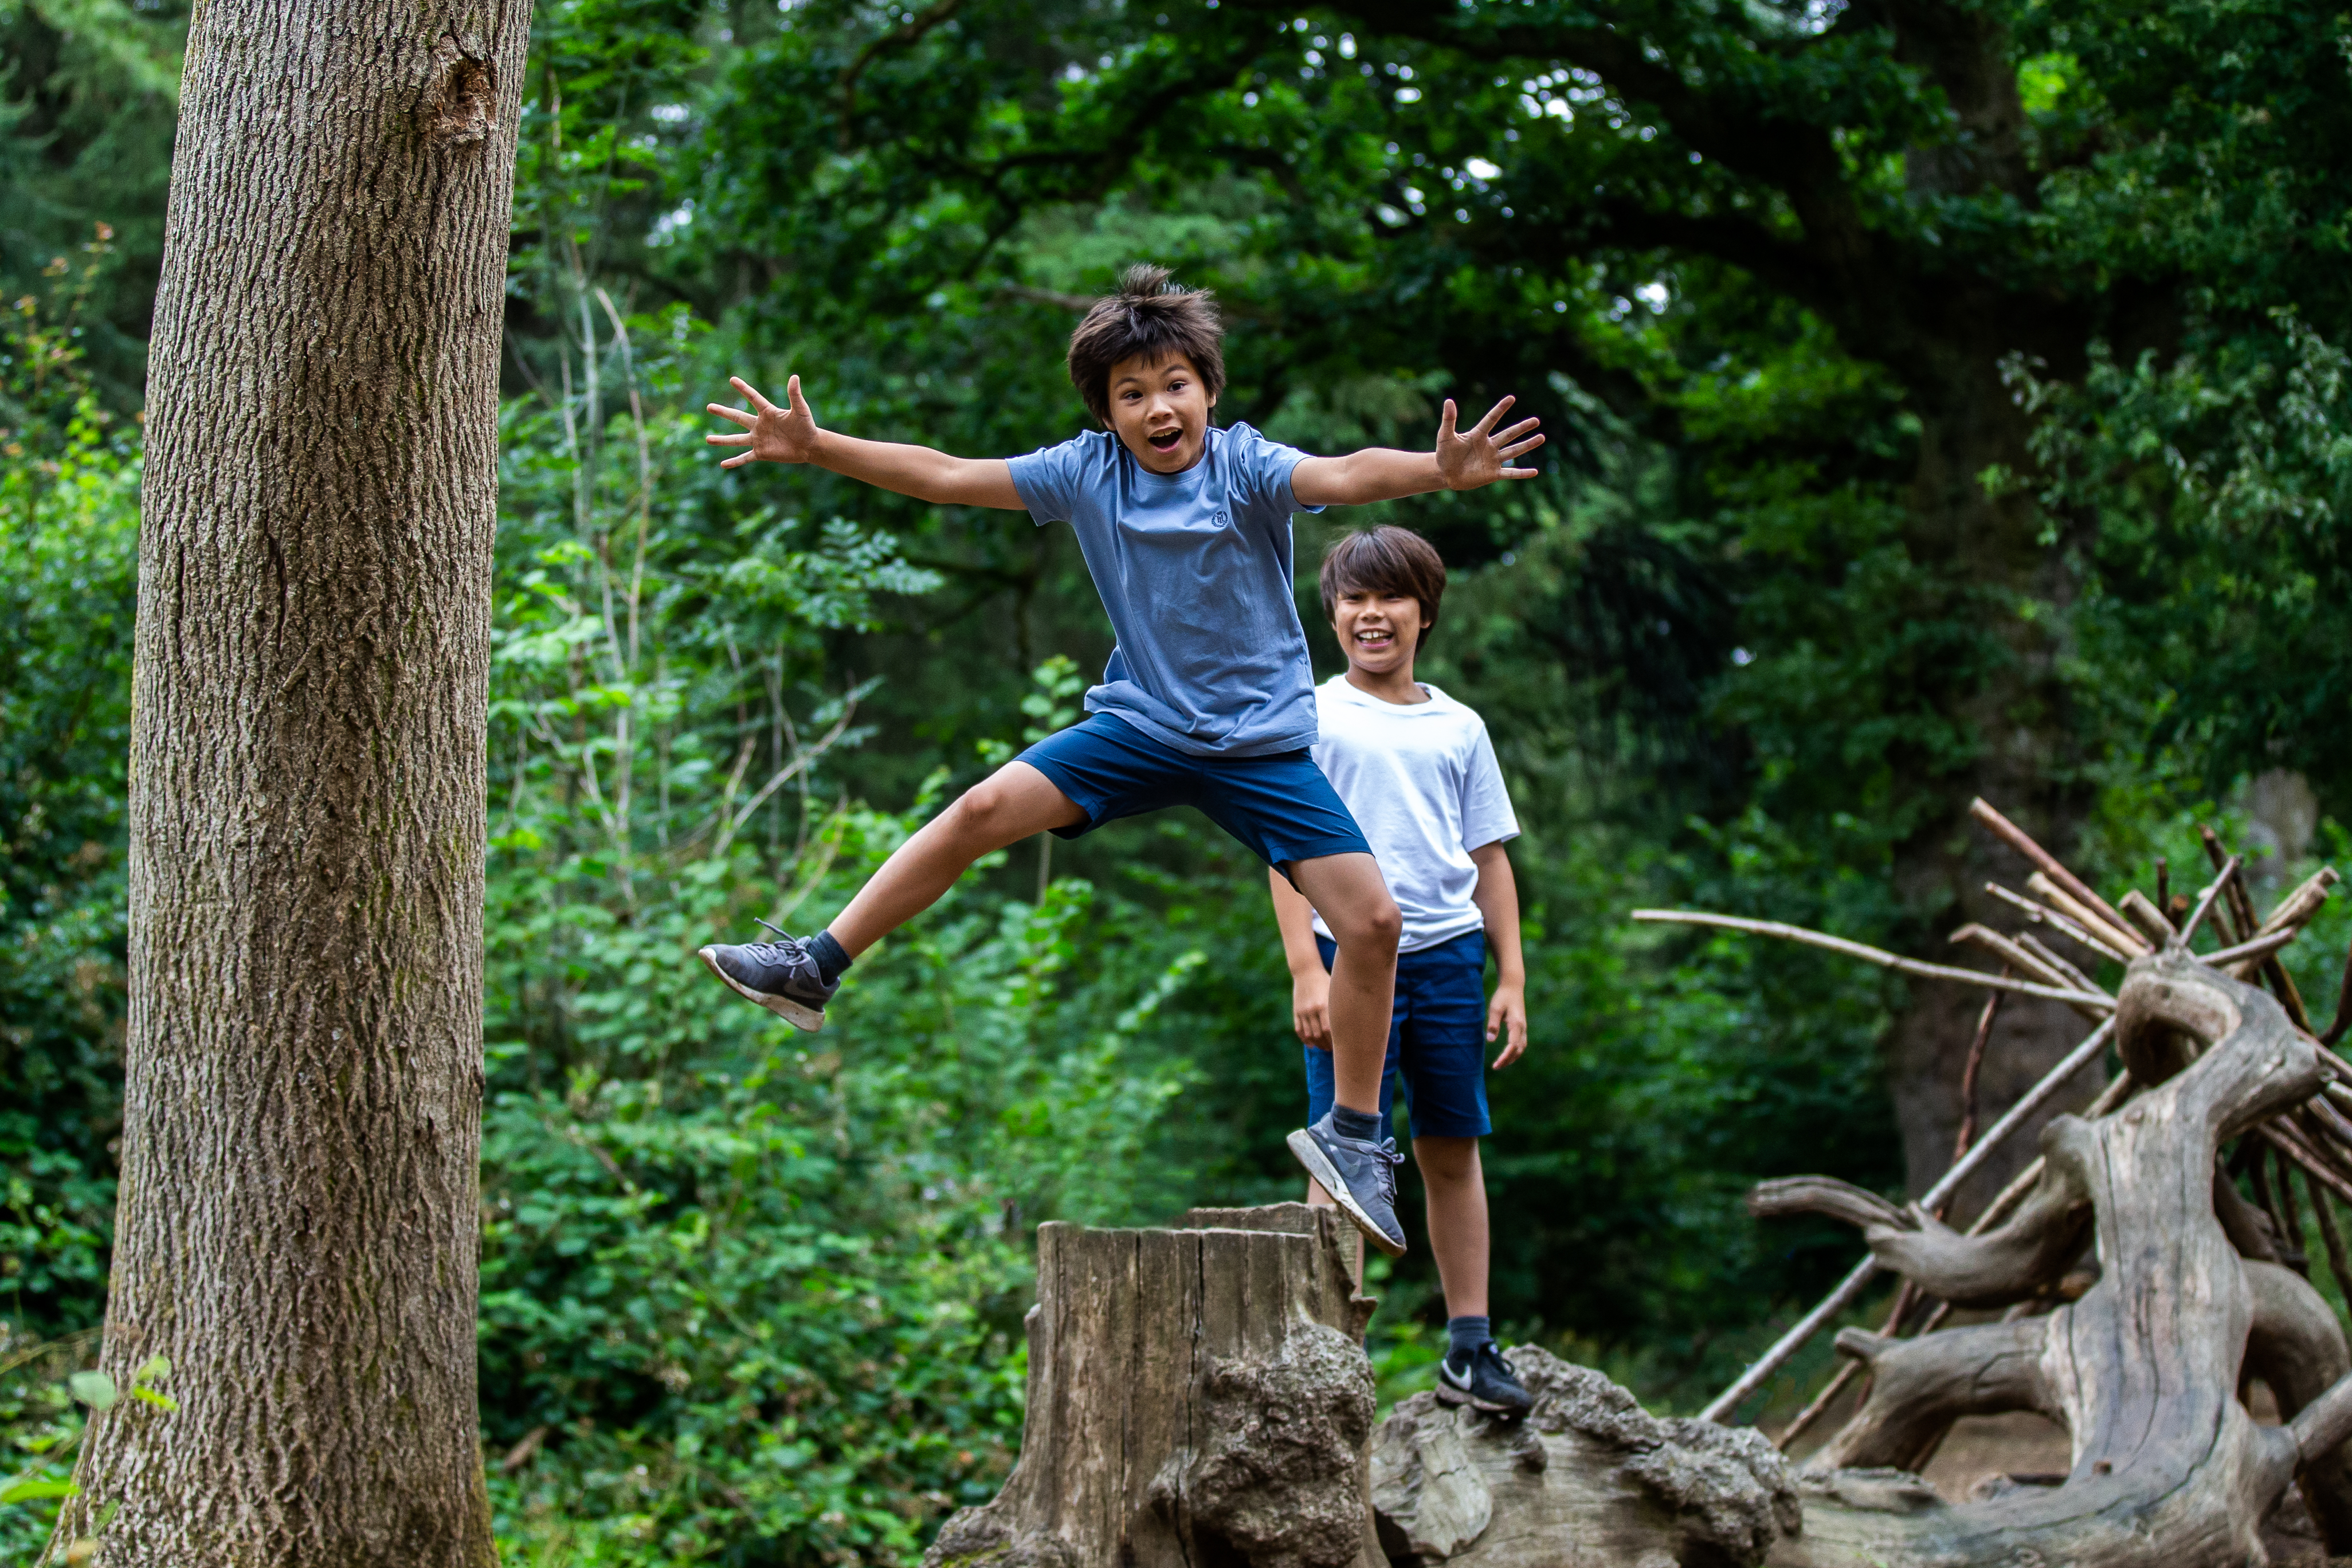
{"x":1589,"y":1480}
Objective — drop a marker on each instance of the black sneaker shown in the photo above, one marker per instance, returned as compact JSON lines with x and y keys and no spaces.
{"x":779,"y":975}
{"x":1484,"y":1381}
{"x":1360,"y":1176}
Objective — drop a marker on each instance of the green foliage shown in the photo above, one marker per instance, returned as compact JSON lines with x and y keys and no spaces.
{"x":2223,"y":486}
{"x":69,"y":558}
{"x":88,"y":91}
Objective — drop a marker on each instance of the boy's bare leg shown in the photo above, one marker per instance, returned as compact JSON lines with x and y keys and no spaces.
{"x":1456,"y":1187}
{"x":1012,"y":803}
{"x":1347,"y":890}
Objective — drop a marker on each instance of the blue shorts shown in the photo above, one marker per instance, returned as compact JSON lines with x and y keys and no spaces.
{"x":1437,"y":1041}
{"x":1281,"y":806}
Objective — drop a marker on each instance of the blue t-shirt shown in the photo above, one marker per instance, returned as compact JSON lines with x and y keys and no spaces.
{"x":1195,"y":572}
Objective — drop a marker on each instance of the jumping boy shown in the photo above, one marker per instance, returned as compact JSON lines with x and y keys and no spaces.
{"x":1208,"y":699}
{"x":1416,"y":770}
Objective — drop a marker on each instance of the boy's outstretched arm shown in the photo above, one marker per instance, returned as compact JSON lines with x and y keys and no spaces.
{"x":1497,"y":897}
{"x":1462,"y":461}
{"x":790,"y":434}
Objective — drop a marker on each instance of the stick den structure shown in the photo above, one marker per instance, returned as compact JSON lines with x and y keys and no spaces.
{"x":2138,"y":1289}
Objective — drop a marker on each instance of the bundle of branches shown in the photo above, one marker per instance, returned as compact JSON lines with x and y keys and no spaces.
{"x":2142,"y":1286}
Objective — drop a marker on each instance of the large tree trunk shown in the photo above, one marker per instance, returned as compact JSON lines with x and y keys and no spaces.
{"x":297,"y":1229}
{"x":1979,"y":554}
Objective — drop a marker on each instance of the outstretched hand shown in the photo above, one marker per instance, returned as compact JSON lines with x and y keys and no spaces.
{"x":1480,"y":455}
{"x":772,"y":434}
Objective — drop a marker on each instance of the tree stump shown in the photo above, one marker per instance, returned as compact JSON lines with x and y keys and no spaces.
{"x":1198,"y":1398}
{"x":2144,"y":1369}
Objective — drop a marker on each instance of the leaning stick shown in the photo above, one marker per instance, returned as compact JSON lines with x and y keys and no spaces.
{"x":2278,"y":1136}
{"x":1879,"y":956}
{"x":2262,"y":946}
{"x":2094,"y":1046}
{"x":2055,"y":921}
{"x":2298,"y":907}
{"x":2150,"y":922}
{"x":2122,"y":938}
{"x":2019,"y":956}
{"x":2205,"y":901}
{"x":2017,"y":838}
{"x":2050,"y":955}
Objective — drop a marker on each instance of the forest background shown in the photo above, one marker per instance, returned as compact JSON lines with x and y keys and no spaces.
{"x":752,"y":1297}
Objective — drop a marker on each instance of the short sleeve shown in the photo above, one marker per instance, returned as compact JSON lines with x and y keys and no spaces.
{"x":1266,"y":469}
{"x":1487,"y":814}
{"x":1050,"y":479}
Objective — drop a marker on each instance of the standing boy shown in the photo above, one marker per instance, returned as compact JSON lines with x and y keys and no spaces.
{"x":1208,"y":698}
{"x":1417,"y":771}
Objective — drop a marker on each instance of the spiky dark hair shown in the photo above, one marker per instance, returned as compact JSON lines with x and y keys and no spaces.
{"x":1151,"y":317}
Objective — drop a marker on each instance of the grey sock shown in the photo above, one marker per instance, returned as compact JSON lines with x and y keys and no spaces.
{"x":829,"y":955}
{"x":1466,"y":1335}
{"x":1361,"y":1125}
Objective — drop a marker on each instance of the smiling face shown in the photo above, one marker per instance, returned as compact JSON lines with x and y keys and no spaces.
{"x":1159,"y":408}
{"x":1379,"y":631}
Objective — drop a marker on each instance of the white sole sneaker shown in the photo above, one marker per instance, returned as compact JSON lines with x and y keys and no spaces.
{"x":1310,"y":1153}
{"x":801,"y":1017}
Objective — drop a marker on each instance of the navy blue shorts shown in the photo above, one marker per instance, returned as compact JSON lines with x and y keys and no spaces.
{"x":1437,"y":1041}
{"x":1281,"y":806}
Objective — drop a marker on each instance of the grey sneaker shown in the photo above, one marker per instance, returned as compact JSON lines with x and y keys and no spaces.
{"x":1360,"y":1176}
{"x":1484,"y":1381}
{"x":779,"y":975}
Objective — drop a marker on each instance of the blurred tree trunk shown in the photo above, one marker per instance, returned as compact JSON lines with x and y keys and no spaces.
{"x":1986,"y":569}
{"x":301,"y":1125}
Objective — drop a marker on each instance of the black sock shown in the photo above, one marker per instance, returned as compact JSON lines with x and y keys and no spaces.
{"x":1467,"y":1334}
{"x":831,"y":960}
{"x":1362,"y":1125}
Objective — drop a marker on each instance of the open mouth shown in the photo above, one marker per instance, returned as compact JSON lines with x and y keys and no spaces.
{"x":1166,"y":440}
{"x":1374,"y":639}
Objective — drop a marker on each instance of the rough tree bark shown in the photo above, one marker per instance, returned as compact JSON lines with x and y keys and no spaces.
{"x":297,"y":1222}
{"x":1198,"y":1398}
{"x":2145,"y":1369}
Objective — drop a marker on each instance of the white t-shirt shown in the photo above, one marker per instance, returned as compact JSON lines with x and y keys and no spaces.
{"x":1422,"y":782}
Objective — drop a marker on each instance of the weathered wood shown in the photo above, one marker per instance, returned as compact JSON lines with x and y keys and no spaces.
{"x":1851,"y":1287}
{"x":2143,"y":1371}
{"x":2047,"y":864}
{"x":1197,"y":1395}
{"x":1590,"y":1479}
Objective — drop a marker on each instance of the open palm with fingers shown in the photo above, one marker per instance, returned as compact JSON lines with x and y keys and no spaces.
{"x":1481,"y":455}
{"x":771,"y":434}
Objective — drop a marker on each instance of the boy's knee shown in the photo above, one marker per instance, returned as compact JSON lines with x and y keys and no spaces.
{"x":1380,"y":926}
{"x":981,"y":810}
{"x":1446,"y":1161}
